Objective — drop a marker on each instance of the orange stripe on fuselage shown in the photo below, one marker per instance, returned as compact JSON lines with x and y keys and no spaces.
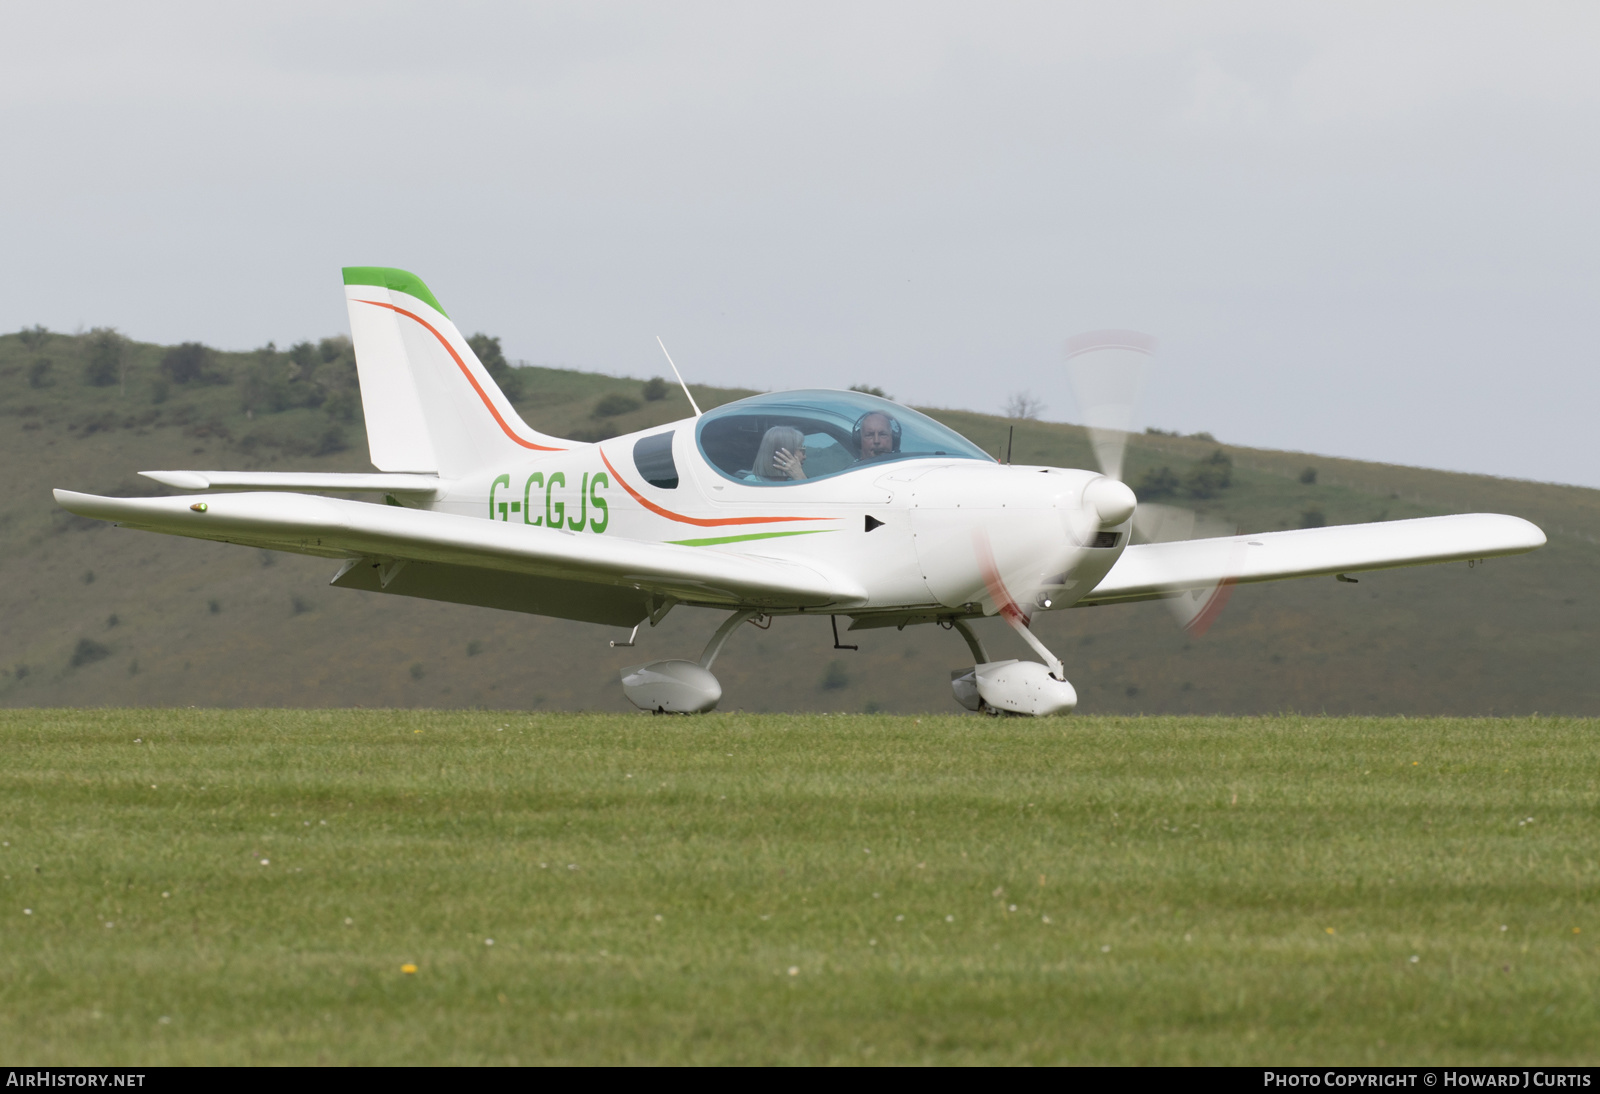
{"x":465,"y":371}
{"x":703,"y":522}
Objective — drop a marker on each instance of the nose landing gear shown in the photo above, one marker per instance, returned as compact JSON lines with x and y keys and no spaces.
{"x":1014,"y":687}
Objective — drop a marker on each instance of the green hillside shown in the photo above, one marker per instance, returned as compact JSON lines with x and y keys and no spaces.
{"x":100,"y":616}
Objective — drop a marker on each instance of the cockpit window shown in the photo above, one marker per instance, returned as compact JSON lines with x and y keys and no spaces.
{"x":653,"y":457}
{"x":799,"y":436}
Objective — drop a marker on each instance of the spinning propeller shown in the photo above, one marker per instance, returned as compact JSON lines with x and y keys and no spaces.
{"x":1107,"y":370}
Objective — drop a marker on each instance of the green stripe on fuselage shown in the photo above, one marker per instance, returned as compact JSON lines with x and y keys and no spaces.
{"x":387,"y":278}
{"x":741,"y":539}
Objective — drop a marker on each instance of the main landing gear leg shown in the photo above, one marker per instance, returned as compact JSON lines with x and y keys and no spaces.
{"x":718,"y":640}
{"x":979,"y":655}
{"x":676,"y":686}
{"x":964,"y":682}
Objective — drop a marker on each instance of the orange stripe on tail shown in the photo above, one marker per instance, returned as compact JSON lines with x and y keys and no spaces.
{"x":465,"y":371}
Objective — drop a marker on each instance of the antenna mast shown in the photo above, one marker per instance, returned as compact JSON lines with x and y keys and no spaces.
{"x":679,"y":375}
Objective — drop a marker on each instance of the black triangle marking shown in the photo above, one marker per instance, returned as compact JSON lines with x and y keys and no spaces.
{"x":873,"y":522}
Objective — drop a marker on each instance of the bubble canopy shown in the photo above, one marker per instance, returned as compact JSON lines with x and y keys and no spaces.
{"x":749,"y":441}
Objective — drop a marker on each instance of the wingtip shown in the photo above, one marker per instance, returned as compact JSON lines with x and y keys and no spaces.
{"x":74,"y":502}
{"x":1518,"y":533}
{"x":1533,"y":535}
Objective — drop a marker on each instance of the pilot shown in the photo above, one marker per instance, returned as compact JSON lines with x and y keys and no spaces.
{"x":877,"y":435}
{"x":782,"y":455}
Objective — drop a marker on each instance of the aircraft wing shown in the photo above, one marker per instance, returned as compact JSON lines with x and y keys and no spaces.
{"x":339,"y":528}
{"x":1153,"y":570}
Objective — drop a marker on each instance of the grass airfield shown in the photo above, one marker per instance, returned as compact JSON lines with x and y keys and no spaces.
{"x":217,"y":887}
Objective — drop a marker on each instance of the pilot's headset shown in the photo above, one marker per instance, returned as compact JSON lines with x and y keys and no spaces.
{"x":894,"y":429}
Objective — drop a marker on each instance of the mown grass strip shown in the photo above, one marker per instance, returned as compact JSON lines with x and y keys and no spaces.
{"x":200,"y":886}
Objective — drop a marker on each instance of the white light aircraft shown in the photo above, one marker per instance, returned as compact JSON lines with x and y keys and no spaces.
{"x":800,"y":502}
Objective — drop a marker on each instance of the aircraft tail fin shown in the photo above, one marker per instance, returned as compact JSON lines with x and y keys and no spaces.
{"x":430,"y":404}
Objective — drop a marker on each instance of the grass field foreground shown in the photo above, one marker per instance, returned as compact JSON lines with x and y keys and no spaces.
{"x":200,"y":886}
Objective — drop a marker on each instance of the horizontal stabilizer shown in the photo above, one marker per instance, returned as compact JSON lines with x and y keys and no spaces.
{"x":340,"y":528}
{"x":1153,"y":570}
{"x":334,"y":482}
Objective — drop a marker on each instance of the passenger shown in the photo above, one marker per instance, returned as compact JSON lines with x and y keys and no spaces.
{"x":782,"y":455}
{"x":876,"y":435}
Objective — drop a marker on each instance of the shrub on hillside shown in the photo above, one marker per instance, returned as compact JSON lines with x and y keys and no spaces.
{"x":1160,"y":482}
{"x":105,"y":359}
{"x":339,"y":382}
{"x":294,"y":435}
{"x":343,"y":405}
{"x":1312,"y":516}
{"x":614,"y":404}
{"x":87,"y":652}
{"x":655,"y":389}
{"x":39,"y":373}
{"x":303,"y":354}
{"x":263,"y":390}
{"x":331,"y":441}
{"x":1210,"y":476}
{"x":33,"y":337}
{"x":186,"y":363}
{"x":331,"y":349}
{"x":1308,"y":477}
{"x":494,"y":360}
{"x":275,"y":382}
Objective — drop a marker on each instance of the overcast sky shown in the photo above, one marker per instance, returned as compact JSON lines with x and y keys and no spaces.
{"x":1362,"y":230}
